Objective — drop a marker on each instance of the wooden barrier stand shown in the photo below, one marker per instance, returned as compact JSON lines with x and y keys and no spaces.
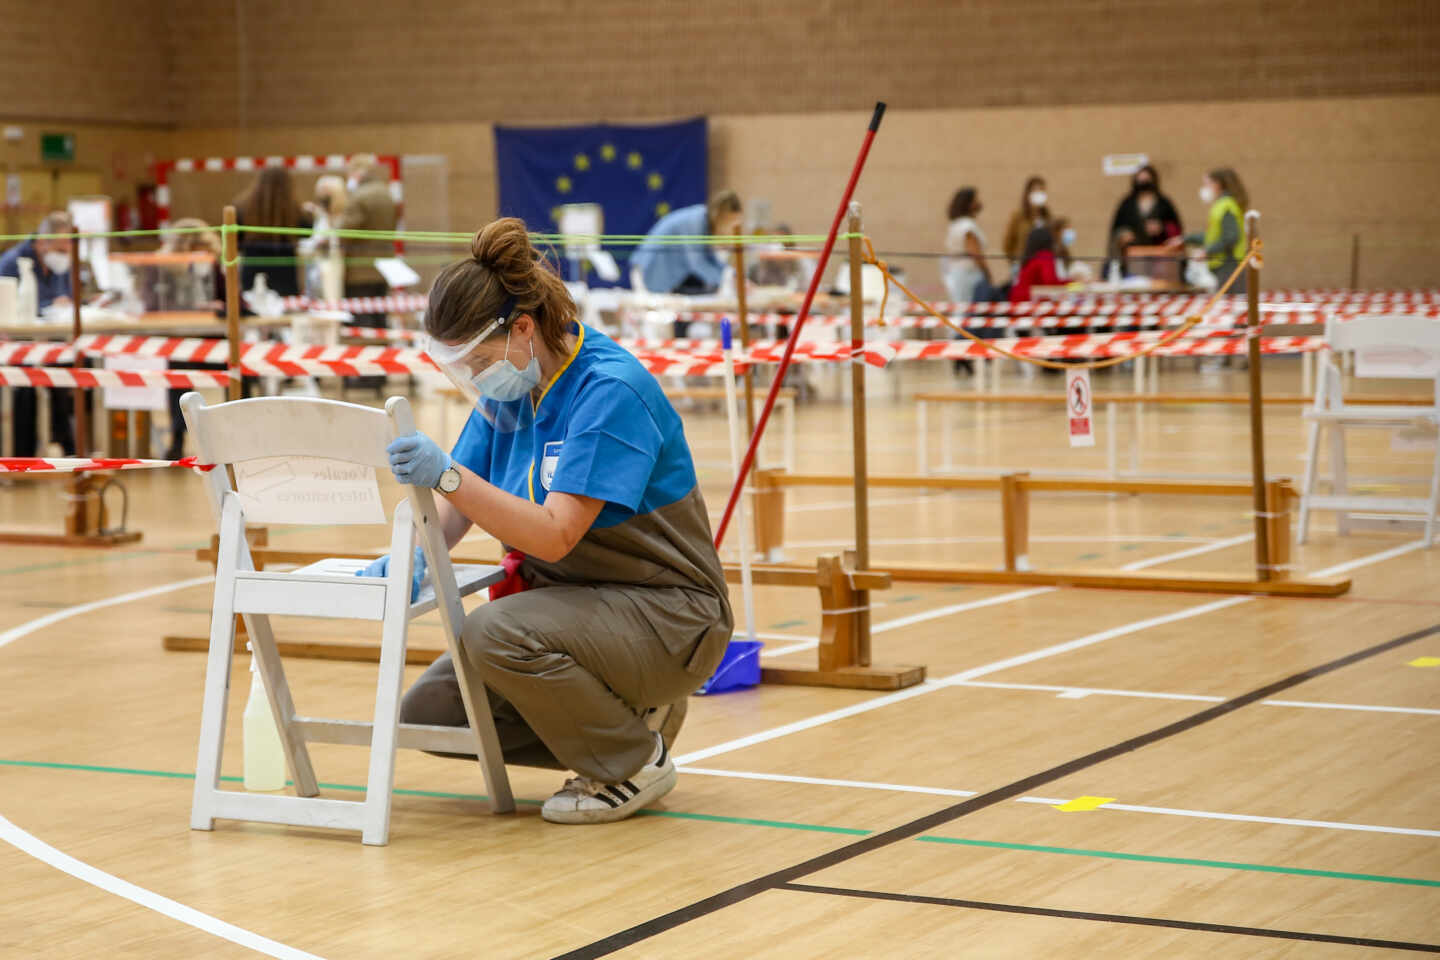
{"x":1015,"y":490}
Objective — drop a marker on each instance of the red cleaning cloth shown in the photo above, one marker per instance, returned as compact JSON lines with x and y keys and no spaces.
{"x":513,"y":582}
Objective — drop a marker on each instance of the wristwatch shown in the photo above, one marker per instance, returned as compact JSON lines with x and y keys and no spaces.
{"x":449,"y":480}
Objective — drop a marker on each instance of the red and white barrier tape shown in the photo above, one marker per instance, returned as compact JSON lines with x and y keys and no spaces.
{"x":87,"y":464}
{"x":393,"y":303}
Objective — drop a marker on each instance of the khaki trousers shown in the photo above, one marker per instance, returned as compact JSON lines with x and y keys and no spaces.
{"x":571,"y":671}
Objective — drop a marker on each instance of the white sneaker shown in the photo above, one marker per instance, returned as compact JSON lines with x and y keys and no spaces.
{"x":583,"y":800}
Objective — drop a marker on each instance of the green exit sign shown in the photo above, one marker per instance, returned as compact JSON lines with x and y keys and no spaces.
{"x":57,"y":148}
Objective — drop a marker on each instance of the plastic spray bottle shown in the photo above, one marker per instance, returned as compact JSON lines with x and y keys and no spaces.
{"x":264,"y":755}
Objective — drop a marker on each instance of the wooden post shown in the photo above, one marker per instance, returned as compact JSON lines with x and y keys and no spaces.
{"x":1263,"y":566}
{"x":1355,"y":261}
{"x":83,"y":441}
{"x":1279,"y":494}
{"x":232,"y":301}
{"x":769,"y":503}
{"x":1015,"y":520}
{"x":857,"y":406}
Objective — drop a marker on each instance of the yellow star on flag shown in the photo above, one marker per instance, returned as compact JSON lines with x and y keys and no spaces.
{"x":633,"y":160}
{"x":607,"y":152}
{"x":563,"y":184}
{"x":654,"y":181}
{"x":662,"y":208}
{"x":582,"y":162}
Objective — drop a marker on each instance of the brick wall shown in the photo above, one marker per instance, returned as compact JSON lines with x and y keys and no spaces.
{"x":372,"y":61}
{"x":95,"y":61}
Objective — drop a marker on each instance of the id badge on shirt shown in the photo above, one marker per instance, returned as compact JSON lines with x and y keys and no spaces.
{"x":548,"y":461}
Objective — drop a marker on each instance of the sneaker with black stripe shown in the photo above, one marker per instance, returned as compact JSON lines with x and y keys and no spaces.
{"x":583,"y":800}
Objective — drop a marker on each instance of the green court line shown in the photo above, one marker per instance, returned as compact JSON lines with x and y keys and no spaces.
{"x":784,"y":624}
{"x":1089,"y":556}
{"x":811,"y":827}
{"x":1184,"y":861}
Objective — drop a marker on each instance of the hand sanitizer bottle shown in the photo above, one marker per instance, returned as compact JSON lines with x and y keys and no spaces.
{"x":264,"y":756}
{"x":27,"y":309}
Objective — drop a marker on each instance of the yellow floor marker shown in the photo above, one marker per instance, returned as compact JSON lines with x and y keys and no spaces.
{"x":1083,"y":803}
{"x":1425,"y":662}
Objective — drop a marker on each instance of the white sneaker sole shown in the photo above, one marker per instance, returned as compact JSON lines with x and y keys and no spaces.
{"x":647,"y":795}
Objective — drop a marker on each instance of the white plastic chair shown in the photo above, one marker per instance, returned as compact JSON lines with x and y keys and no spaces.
{"x":231,"y":433}
{"x":1396,"y":347}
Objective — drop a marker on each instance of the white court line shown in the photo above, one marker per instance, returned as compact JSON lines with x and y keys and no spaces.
{"x":15,"y":633}
{"x":42,"y":851}
{"x":1054,"y":801}
{"x":827,"y":782}
{"x":1002,"y":598}
{"x":1079,"y":693}
{"x":929,"y":686}
{"x":1193,"y":552}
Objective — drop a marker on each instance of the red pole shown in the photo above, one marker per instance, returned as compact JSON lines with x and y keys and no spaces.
{"x":749,"y":460}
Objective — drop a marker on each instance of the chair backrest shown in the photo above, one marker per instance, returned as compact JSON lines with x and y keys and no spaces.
{"x":1385,"y":346}
{"x":287,"y":427}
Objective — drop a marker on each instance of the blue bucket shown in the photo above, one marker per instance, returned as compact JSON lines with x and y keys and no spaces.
{"x":739,"y":668}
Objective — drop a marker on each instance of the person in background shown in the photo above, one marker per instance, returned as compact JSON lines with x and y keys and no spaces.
{"x":368,"y":206}
{"x":1067,"y":265}
{"x":51,"y":258}
{"x":1145,"y":217}
{"x":1034,"y":211}
{"x":269,"y":202}
{"x":1037,"y":265}
{"x":660,"y":267}
{"x":325,"y":210}
{"x":964,"y":271}
{"x":1224,"y":239}
{"x":192,"y":235}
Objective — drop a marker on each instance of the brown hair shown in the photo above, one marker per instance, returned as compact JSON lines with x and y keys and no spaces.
{"x":270,"y":201}
{"x":1035,"y":180}
{"x":198,"y":237}
{"x":1230,"y":183}
{"x":724,"y":201}
{"x":469,"y":294}
{"x":963,"y":203}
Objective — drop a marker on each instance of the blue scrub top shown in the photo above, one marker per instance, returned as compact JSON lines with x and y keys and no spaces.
{"x":603,"y":428}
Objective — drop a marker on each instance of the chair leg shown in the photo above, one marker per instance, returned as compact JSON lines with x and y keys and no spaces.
{"x":1307,"y":489}
{"x":1340,"y":482}
{"x":217,"y":671}
{"x":380,"y":784}
{"x":282,"y":706}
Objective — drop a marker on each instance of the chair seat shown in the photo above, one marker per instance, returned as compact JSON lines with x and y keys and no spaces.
{"x":469,"y":578}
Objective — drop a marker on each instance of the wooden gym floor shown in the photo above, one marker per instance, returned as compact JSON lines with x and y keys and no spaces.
{"x":1085,"y":772}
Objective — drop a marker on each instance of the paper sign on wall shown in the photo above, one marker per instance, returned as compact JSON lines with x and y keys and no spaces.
{"x":1123,"y":164}
{"x":1078,"y":403}
{"x":308,"y":490}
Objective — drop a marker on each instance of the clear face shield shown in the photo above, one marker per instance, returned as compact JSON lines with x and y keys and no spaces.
{"x":467,"y":370}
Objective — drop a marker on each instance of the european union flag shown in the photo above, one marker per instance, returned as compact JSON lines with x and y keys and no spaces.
{"x":636,"y":173}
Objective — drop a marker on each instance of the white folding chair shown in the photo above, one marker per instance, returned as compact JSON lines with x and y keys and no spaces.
{"x":244,"y":430}
{"x":1386,"y":346}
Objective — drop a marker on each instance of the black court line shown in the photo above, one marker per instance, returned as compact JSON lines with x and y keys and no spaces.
{"x":744,"y":891}
{"x":1119,"y":918}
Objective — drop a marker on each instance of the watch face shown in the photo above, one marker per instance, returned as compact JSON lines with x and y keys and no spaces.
{"x":450,"y":481}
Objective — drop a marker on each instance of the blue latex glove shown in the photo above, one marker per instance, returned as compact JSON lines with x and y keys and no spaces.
{"x":418,"y":460}
{"x":381,"y":568}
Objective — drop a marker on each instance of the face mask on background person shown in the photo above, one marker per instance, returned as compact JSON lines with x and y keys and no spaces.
{"x":1145,"y":202}
{"x":1067,"y":237}
{"x":1207,"y":194}
{"x":1038,"y":198}
{"x":55,"y":261}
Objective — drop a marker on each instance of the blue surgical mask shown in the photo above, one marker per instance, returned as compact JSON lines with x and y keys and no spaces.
{"x":1067,"y":237}
{"x":503,"y":381}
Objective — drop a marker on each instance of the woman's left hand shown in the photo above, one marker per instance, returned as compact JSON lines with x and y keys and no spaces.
{"x":418,"y":460}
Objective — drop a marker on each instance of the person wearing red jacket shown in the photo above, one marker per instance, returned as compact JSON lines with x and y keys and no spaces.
{"x":1037,"y":266}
